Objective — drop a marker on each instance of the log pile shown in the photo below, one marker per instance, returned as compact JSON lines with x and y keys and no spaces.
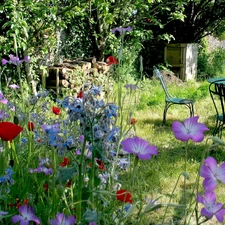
{"x":72,"y":74}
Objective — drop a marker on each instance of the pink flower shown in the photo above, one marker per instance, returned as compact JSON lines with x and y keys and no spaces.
{"x":61,"y":219}
{"x":191,"y":129}
{"x":211,"y":172}
{"x":212,"y":208}
{"x":15,"y":60}
{"x":27,"y":215}
{"x":139,"y":147}
{"x":14,"y":86}
{"x":121,"y":30}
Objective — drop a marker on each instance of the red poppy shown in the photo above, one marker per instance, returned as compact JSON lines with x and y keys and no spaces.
{"x":19,"y":202}
{"x":65,"y":162}
{"x":30,"y":126}
{"x":80,"y":94}
{"x":133,"y":121}
{"x":25,"y":202}
{"x":124,"y":196}
{"x":8,"y":131}
{"x":101,"y":165}
{"x":111,"y":60}
{"x":55,"y":110}
{"x":68,"y":183}
{"x":45,"y":186}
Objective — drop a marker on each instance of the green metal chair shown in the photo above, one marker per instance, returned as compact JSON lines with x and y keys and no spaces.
{"x":217,"y":93}
{"x":171,"y":100}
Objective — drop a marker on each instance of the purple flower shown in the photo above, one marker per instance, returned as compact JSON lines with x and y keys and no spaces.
{"x":2,"y":214}
{"x":62,"y":220}
{"x":14,"y":86}
{"x":92,"y":223}
{"x":3,"y":99}
{"x":4,"y":61}
{"x":15,"y":60}
{"x":139,"y":147}
{"x":211,"y":172}
{"x":45,"y":170}
{"x":3,"y":114}
{"x":44,"y":166}
{"x":27,"y":215}
{"x":121,"y":30}
{"x":211,"y":207}
{"x":191,"y":129}
{"x":51,"y":128}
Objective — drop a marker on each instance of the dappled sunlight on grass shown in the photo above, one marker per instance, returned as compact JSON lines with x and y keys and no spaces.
{"x":160,"y":175}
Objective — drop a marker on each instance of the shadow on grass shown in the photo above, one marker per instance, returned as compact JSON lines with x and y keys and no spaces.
{"x":170,"y":163}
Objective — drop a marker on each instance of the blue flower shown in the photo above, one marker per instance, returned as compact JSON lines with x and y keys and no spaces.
{"x":7,"y":178}
{"x":95,"y":90}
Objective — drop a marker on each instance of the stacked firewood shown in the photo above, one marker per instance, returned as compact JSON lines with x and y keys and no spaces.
{"x":72,"y":74}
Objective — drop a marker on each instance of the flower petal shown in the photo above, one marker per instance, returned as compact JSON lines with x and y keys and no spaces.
{"x":210,"y":197}
{"x":8,"y":131}
{"x":180,"y":131}
{"x":221,"y":172}
{"x":55,"y":222}
{"x":23,"y":209}
{"x":60,"y":217}
{"x":211,"y":163}
{"x":191,"y":129}
{"x":197,"y":137}
{"x":24,"y":222}
{"x":4,"y":61}
{"x":70,"y":220}
{"x":16,"y":218}
{"x":35,"y":219}
{"x":206,"y":213}
{"x":206,"y":172}
{"x":128,"y":145}
{"x":209,"y":184}
{"x":200,"y":199}
{"x":220,"y":215}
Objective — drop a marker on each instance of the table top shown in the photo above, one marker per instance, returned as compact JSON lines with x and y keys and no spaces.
{"x":218,"y":80}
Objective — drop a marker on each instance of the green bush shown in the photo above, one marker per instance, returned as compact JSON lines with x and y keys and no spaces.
{"x":210,"y":64}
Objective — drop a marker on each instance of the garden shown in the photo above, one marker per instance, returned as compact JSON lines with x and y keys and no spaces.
{"x":98,"y":152}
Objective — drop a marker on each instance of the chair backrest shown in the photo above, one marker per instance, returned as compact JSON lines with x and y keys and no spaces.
{"x":160,"y":77}
{"x":217,"y":93}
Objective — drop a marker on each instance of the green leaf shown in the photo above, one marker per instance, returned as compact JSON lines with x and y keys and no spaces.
{"x":66,"y":174}
{"x":217,"y":140}
{"x":174,"y":205}
{"x":91,"y":216}
{"x":152,"y":207}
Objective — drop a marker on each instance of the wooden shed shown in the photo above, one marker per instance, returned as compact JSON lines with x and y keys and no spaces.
{"x":183,"y":59}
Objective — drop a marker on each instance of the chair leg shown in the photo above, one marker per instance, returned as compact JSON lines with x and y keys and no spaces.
{"x":218,"y":129}
{"x":167,"y":105}
{"x":191,"y":106}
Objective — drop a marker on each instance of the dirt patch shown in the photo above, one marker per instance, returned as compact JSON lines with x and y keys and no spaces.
{"x":170,"y":77}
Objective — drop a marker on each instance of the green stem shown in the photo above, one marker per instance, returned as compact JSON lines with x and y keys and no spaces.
{"x":185,"y":178}
{"x":80,"y":182}
{"x":164,"y":217}
{"x":136,"y":159}
{"x":92,"y":178}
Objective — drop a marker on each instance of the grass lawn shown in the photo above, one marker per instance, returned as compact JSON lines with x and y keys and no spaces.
{"x":157,"y":177}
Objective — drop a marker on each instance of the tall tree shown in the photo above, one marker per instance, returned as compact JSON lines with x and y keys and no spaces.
{"x":201,"y":18}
